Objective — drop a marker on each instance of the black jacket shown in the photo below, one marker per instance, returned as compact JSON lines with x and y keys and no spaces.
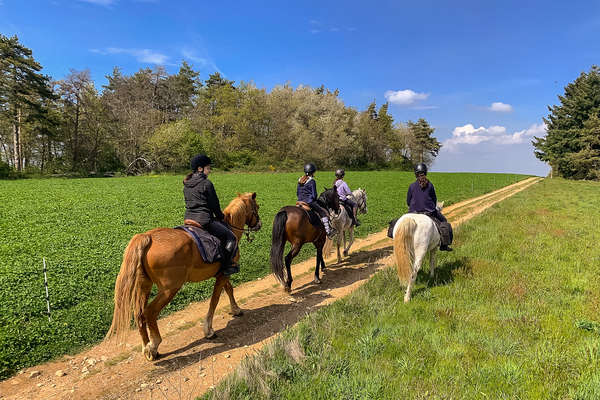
{"x":201,"y":201}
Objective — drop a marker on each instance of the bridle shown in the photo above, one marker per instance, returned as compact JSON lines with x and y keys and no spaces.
{"x":249,"y":231}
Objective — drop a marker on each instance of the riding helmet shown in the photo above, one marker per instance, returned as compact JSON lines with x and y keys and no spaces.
{"x":199,"y":161}
{"x":420,"y":168}
{"x":339,"y":173}
{"x":310,"y":168}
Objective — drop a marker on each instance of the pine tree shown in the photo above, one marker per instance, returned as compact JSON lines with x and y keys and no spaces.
{"x":423,"y":147}
{"x":572,"y":142}
{"x":23,"y":90}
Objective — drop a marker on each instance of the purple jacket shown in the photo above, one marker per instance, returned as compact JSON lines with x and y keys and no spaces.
{"x":342,"y":189}
{"x":421,"y":200}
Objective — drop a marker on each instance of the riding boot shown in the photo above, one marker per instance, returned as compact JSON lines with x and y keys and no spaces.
{"x":229,"y":265}
{"x":445,"y":247}
{"x":330,"y":231}
{"x":354,"y":219}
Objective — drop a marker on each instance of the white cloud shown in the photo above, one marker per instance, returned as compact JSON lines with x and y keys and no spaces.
{"x":142,"y":55}
{"x":500,"y":107}
{"x":104,"y":3}
{"x":469,"y":135}
{"x":199,"y":61}
{"x":404,"y":97}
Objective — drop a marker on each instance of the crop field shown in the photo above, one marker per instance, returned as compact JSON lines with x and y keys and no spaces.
{"x":81,"y":227}
{"x":513,"y":313}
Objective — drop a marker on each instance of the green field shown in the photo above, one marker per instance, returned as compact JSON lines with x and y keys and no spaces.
{"x":81,"y":227}
{"x":512,"y":314}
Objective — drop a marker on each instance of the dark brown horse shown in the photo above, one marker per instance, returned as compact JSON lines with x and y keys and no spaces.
{"x":169,"y":258}
{"x":292,"y":224}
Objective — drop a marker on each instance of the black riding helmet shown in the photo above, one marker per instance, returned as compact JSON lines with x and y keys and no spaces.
{"x":339,"y":173}
{"x":310,"y":168}
{"x":420,"y":168}
{"x":199,"y":161}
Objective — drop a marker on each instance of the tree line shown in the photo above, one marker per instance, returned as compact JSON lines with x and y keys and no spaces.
{"x":156,"y":120}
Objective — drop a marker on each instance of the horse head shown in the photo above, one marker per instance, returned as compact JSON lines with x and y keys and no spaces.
{"x":330,"y":199}
{"x":242,"y":211}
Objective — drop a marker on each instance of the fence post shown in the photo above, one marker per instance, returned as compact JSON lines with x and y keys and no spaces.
{"x":46,"y":285}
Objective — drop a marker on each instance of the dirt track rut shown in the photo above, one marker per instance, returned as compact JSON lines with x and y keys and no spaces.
{"x":190,"y":364}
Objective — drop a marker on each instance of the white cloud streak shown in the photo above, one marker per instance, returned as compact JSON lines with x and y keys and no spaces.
{"x":500,"y":107}
{"x":199,"y":61}
{"x":404,"y":97}
{"x":469,"y":135}
{"x":142,"y":55}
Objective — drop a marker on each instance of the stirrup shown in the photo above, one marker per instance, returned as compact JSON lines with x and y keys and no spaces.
{"x":356,"y":222}
{"x":332,"y":233}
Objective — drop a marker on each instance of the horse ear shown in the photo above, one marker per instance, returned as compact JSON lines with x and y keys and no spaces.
{"x":239,"y":194}
{"x":253,"y":195}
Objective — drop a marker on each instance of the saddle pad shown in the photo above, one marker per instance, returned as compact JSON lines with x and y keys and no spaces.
{"x":208,"y":245}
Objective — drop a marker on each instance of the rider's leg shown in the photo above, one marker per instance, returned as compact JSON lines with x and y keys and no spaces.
{"x":329,"y":230}
{"x":228,"y":240}
{"x":354,"y":208}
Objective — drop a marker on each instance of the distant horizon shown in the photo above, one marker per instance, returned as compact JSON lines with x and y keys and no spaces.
{"x":481,"y":74}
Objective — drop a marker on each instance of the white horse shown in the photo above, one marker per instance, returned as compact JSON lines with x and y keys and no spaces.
{"x":342,"y":222}
{"x":414,"y":236}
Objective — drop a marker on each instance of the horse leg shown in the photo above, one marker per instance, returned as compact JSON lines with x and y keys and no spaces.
{"x":320,"y":260}
{"x":350,"y":240}
{"x":220,"y":282}
{"x":338,"y":242}
{"x":145,"y":288}
{"x":288,"y":263}
{"x":151,"y":313}
{"x":432,"y":262}
{"x":415,"y":270}
{"x":236,"y":311}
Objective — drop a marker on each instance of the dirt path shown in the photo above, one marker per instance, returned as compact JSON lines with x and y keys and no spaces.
{"x":190,"y":364}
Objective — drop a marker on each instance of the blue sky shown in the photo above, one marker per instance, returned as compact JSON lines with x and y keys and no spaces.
{"x":481,"y":72}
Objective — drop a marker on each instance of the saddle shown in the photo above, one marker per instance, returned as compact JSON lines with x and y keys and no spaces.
{"x":208,"y":245}
{"x":313,"y":217}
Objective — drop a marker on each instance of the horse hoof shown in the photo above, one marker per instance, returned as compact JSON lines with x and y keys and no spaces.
{"x":149,"y":354}
{"x":237,"y":313}
{"x":287,"y":289}
{"x":210,"y":335}
{"x":317,"y":280}
{"x":345,"y":254}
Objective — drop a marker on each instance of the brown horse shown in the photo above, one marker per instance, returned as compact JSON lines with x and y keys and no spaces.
{"x":292,"y":224}
{"x":169,"y":258}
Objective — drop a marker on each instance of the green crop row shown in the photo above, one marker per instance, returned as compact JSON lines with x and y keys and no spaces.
{"x":81,"y":227}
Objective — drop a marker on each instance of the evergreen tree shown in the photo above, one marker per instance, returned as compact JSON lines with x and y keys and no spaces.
{"x":423,"y":147}
{"x":572,"y":142}
{"x":23,"y":91}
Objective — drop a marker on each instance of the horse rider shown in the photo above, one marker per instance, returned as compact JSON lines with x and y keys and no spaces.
{"x":202,"y":205}
{"x":421,"y":199}
{"x":307,"y":192}
{"x":343,"y":192}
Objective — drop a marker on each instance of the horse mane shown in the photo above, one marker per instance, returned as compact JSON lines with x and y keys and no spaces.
{"x":236,"y":210}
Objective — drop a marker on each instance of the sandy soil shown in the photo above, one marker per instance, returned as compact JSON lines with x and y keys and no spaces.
{"x":189,"y":363}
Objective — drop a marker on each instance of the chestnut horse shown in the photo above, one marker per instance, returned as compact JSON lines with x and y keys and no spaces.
{"x":292,"y":224}
{"x":169,"y":258}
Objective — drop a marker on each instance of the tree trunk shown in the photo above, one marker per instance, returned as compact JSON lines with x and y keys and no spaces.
{"x":17,"y":140}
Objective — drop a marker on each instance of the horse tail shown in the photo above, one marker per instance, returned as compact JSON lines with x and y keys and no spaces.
{"x":403,"y":249}
{"x":128,"y":293}
{"x":327,"y":247}
{"x":277,"y":245}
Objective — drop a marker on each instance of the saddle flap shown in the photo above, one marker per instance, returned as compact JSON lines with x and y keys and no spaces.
{"x":303,"y":204}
